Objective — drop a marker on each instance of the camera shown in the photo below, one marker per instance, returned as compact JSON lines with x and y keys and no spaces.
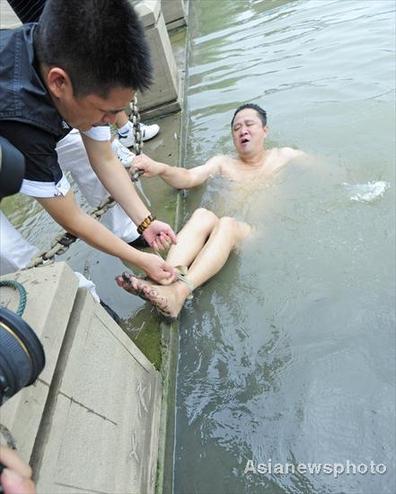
{"x":21,"y":353}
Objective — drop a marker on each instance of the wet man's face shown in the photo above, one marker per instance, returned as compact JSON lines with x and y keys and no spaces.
{"x":248,"y":132}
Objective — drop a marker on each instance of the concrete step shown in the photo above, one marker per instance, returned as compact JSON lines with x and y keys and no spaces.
{"x":91,"y":422}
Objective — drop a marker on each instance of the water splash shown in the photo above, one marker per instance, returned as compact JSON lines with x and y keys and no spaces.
{"x":368,"y":192}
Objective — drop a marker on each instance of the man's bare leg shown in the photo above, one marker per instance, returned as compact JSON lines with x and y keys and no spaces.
{"x":170,"y":299}
{"x":192,"y":237}
{"x":224,"y":238}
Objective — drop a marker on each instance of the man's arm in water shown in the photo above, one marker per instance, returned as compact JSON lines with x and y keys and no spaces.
{"x":178,"y":177}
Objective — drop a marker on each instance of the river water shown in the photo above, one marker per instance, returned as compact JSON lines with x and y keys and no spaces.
{"x":288,"y":354}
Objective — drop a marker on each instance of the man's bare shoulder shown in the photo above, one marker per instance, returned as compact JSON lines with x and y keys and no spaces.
{"x":290,"y":153}
{"x":280,"y":157}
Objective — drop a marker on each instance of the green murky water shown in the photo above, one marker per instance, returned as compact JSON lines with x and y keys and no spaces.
{"x":288,"y":355}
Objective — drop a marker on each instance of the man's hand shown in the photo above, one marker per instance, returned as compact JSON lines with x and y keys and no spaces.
{"x":150,"y":167}
{"x":159,"y":235}
{"x":158,"y":270}
{"x":17,"y":476}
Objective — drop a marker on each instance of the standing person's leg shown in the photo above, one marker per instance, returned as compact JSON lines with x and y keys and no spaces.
{"x":15,"y":252}
{"x":73,"y":157}
{"x":226,"y":233}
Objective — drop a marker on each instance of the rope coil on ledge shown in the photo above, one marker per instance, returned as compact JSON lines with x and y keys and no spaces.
{"x":22,"y":294}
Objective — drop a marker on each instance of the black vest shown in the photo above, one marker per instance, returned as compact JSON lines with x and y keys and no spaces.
{"x":23,"y":96}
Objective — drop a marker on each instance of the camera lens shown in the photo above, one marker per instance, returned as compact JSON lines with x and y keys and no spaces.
{"x":21,"y":354}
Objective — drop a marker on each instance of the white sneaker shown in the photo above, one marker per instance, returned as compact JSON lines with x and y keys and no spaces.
{"x":123,"y":154}
{"x":148,"y":132}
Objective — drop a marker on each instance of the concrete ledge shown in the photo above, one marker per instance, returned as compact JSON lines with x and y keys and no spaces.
{"x":162,"y":110}
{"x":148,"y":11}
{"x":91,"y":423}
{"x":100,"y":433}
{"x":165,"y":88}
{"x":174,"y":13}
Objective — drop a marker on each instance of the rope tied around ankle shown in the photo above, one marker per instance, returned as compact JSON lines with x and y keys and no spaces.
{"x":181,"y":275}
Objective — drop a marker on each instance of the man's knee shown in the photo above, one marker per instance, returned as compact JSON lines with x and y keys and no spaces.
{"x":205,"y":218}
{"x":229,"y":223}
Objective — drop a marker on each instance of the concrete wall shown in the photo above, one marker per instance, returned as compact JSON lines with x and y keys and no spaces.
{"x":91,"y":422}
{"x":163,"y":95}
{"x":174,"y":13}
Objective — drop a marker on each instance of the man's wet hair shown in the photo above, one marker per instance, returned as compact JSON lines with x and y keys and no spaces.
{"x":261,"y":113}
{"x":99,"y":43}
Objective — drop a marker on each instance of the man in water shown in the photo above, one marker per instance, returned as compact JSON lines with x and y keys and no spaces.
{"x":249,"y":131}
{"x":205,"y":242}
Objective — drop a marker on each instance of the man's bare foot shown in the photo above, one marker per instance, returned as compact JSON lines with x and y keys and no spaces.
{"x":168,"y":300}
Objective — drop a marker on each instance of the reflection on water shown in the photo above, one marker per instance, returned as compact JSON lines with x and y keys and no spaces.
{"x":288,"y":355}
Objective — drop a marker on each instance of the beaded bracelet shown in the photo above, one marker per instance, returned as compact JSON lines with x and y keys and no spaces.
{"x":145,"y":224}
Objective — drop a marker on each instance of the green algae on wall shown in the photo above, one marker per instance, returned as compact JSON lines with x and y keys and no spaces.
{"x":144,"y":330}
